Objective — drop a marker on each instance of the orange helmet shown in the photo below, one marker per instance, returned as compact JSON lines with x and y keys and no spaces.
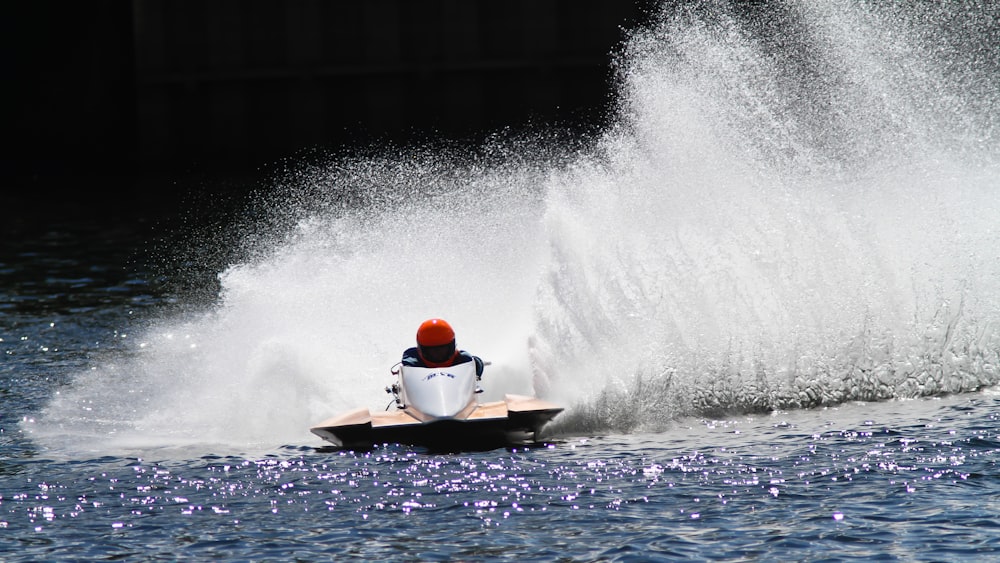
{"x":436,"y":343}
{"x":435,"y":332}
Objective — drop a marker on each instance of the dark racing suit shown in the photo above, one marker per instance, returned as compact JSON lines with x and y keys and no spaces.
{"x":411,"y":357}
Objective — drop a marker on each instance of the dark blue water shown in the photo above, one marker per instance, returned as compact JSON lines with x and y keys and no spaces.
{"x":769,"y":298}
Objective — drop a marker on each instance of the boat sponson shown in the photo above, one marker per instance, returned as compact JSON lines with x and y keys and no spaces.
{"x":529,"y":414}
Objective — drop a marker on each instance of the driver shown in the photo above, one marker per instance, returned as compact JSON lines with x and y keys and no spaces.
{"x":436,"y":348}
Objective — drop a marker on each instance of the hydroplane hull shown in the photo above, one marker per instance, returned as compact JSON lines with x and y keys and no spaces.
{"x":514,"y":420}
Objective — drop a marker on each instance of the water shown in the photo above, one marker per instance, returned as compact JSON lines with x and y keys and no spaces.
{"x":768,"y":297}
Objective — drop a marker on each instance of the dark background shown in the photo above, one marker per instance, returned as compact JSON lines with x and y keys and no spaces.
{"x":118,"y":108}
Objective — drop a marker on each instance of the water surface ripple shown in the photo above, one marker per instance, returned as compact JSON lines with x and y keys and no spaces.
{"x":909,"y":480}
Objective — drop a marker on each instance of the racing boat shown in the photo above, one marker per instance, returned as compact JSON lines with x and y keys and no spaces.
{"x":440,"y":408}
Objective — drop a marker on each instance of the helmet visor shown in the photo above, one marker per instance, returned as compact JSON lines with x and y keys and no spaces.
{"x":438,"y":354}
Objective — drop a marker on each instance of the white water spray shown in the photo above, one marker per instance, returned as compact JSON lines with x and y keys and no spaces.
{"x":780,"y":225}
{"x":772,"y":224}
